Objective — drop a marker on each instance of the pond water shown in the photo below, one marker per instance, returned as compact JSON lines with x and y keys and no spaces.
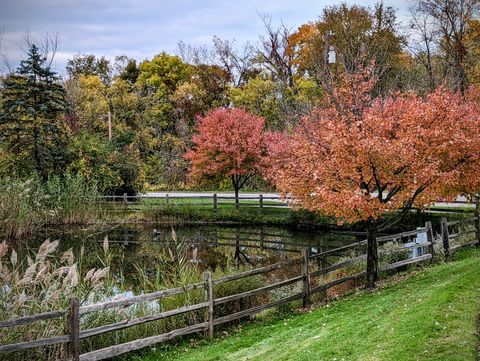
{"x":150,"y":249}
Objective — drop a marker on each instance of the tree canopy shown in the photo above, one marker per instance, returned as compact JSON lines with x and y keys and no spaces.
{"x":368,"y":157}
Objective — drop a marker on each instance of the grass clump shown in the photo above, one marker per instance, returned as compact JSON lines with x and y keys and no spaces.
{"x":39,"y":284}
{"x":27,"y":205}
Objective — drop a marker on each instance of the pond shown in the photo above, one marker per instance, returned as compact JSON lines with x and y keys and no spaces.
{"x":150,"y":249}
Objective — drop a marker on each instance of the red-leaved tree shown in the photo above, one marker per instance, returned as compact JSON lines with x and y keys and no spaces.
{"x":359,"y":158}
{"x":230,"y":143}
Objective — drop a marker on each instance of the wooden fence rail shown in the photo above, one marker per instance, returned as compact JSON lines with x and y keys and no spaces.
{"x":215,"y":201}
{"x":455,"y":229}
{"x":304,"y":280}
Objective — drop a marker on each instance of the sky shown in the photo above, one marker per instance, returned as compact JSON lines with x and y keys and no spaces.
{"x":142,"y":28}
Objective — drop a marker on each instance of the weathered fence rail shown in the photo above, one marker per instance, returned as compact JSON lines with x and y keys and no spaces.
{"x":214,"y":200}
{"x":452,"y":231}
{"x":309,"y":281}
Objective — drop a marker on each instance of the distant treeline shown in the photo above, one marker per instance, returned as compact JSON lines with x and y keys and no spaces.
{"x":126,"y":126}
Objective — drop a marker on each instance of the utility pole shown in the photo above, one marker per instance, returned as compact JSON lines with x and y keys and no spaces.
{"x":109,"y":125}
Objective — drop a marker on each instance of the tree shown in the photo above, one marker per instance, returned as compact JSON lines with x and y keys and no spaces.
{"x":88,"y":65}
{"x":472,"y":41}
{"x":88,"y":68}
{"x":389,"y":154}
{"x":229,"y":143}
{"x":131,"y":72}
{"x":423,"y":45}
{"x":451,"y":19}
{"x":258,"y":96}
{"x":32,"y":123}
{"x":237,"y":62}
{"x":358,"y":35}
{"x":273,"y":53}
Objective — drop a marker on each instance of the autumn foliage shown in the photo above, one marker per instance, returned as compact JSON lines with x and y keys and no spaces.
{"x":230,"y":143}
{"x":358,"y":157}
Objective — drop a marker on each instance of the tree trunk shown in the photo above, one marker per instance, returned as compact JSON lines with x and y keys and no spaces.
{"x":236,"y":187}
{"x":372,"y":255}
{"x":237,"y":201}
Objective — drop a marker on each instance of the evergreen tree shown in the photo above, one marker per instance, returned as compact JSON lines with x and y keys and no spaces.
{"x":32,"y":126}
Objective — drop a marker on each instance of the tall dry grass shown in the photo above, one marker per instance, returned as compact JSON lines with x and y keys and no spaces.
{"x":42,"y":282}
{"x":27,"y":205}
{"x":46,"y":280}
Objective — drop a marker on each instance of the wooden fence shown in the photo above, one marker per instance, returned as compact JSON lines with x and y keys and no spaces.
{"x":311,"y":280}
{"x":214,"y":200}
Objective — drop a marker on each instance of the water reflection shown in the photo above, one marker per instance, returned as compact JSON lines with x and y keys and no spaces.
{"x":147,"y":247}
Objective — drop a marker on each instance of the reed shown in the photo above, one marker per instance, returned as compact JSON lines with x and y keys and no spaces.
{"x":45,"y":281}
{"x":27,"y":205}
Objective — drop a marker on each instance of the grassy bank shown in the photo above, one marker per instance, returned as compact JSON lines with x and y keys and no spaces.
{"x":431,"y":315}
{"x":227,"y":213}
{"x":201,"y":211}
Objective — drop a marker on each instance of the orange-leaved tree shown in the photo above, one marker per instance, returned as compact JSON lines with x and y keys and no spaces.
{"x":468,"y":181}
{"x":229,"y":143}
{"x":372,"y":160}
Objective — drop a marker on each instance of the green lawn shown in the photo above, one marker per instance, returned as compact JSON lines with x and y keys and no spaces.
{"x":202,"y":210}
{"x":431,"y":315}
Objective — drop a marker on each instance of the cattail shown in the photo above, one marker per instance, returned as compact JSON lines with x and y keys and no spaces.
{"x":24,"y":281}
{"x":45,"y":249}
{"x":62,"y":270}
{"x":71,"y":280}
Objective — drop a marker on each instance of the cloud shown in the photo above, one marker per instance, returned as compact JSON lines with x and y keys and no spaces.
{"x":146,"y":27}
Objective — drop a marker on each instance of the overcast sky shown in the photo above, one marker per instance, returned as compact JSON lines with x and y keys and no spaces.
{"x":142,"y":28}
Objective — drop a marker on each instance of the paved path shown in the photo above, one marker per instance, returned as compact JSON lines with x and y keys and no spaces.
{"x":198,"y":194}
{"x":275,"y":195}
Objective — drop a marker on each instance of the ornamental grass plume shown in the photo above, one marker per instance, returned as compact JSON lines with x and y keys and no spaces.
{"x":40,"y":284}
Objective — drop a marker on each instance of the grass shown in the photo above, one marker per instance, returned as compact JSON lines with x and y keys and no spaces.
{"x":27,"y":205}
{"x":201,"y":210}
{"x":431,"y":315}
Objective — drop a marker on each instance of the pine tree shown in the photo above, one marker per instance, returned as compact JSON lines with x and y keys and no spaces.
{"x":32,"y":126}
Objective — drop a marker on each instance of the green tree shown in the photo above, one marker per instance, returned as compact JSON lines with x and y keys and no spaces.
{"x":358,"y":36}
{"x":260,"y":97}
{"x":33,"y":130}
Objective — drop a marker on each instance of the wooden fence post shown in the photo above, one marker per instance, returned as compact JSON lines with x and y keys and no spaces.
{"x":306,"y":278}
{"x":167,"y":198}
{"x":209,"y":298}
{"x":125,"y":199}
{"x":74,"y":330}
{"x":477,"y":220}
{"x":445,"y":238}
{"x":260,"y":200}
{"x":214,"y":201}
{"x":430,"y":239}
